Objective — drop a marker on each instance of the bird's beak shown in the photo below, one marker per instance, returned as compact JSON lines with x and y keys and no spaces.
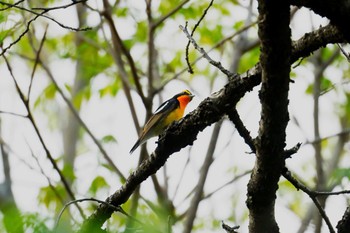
{"x":191,"y":96}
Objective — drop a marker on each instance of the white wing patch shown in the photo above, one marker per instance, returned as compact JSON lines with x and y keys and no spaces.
{"x":162,"y":107}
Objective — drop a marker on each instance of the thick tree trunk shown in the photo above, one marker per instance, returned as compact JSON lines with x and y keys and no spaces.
{"x":274,"y":34}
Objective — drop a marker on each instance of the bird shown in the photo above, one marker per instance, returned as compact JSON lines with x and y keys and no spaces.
{"x":168,"y":112}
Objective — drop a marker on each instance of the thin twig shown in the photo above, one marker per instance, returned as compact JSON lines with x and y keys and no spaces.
{"x":42,"y":14}
{"x":37,"y":59}
{"x":169,"y":14}
{"x":59,"y":7}
{"x":13,"y":114}
{"x":118,"y":44}
{"x":36,"y":129}
{"x":343,"y":132}
{"x":347,"y":55}
{"x":205,"y":55}
{"x":181,"y":177}
{"x":321,"y":193}
{"x":41,"y":170}
{"x":9,"y":6}
{"x":115,"y":208}
{"x":286,"y":174}
{"x":217,"y":45}
{"x":190,"y":70}
{"x":37,"y":15}
{"x":82,"y":123}
{"x":206,"y":196}
{"x":119,"y":62}
{"x":198,"y":194}
{"x":333,"y":86}
{"x":242,"y":130}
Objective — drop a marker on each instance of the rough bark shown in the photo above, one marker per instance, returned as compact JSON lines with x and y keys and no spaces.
{"x":208,"y":112}
{"x":338,"y":12}
{"x":275,"y":44}
{"x":343,"y":225}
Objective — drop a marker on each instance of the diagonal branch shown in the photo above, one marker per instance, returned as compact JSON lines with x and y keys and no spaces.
{"x":37,"y":15}
{"x":182,"y":134}
{"x":205,"y":54}
{"x":312,"y":195}
{"x":336,"y":11}
{"x":198,"y":194}
{"x":36,"y":129}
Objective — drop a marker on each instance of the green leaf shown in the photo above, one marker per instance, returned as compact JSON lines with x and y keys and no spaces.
{"x":48,"y":197}
{"x":34,"y":222}
{"x":68,"y":172}
{"x":238,"y":25}
{"x":48,"y":94}
{"x":248,"y":60}
{"x":109,"y":139}
{"x":310,"y":89}
{"x":111,"y":89}
{"x":141,"y":31}
{"x":98,"y":183}
{"x":339,"y":174}
{"x":325,"y":83}
{"x":210,"y":35}
{"x":50,"y":91}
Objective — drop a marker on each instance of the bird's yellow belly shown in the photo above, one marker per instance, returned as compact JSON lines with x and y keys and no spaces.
{"x":174,"y":116}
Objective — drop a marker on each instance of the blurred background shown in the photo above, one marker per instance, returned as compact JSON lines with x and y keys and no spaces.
{"x":77,"y":86}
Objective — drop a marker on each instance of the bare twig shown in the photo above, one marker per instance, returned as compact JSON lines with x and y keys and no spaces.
{"x":205,"y":55}
{"x":82,"y":123}
{"x":333,"y":86}
{"x":36,"y":129}
{"x":54,"y":190}
{"x":347,"y":55}
{"x":343,"y":132}
{"x":9,"y":6}
{"x":185,"y":132}
{"x":198,"y":195}
{"x":286,"y":174}
{"x":169,"y":14}
{"x":234,"y":179}
{"x":115,"y":208}
{"x":220,"y":43}
{"x":242,"y":130}
{"x":13,"y":114}
{"x":119,"y":61}
{"x":119,"y":45}
{"x":37,"y":15}
{"x":181,"y":177}
{"x":190,"y":70}
{"x":37,"y":59}
{"x":59,"y":7}
{"x":152,"y":56}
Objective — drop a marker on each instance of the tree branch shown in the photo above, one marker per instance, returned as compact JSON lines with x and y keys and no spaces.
{"x":198,"y":194}
{"x":205,"y":55}
{"x":343,"y":225}
{"x":36,"y":129}
{"x":312,"y":195}
{"x":274,"y":34}
{"x":183,"y":133}
{"x":337,"y":11}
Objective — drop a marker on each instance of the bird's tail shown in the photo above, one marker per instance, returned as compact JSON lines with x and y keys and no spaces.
{"x":137,"y":144}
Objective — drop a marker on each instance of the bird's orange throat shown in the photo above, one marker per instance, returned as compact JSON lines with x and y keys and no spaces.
{"x":184,"y":100}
